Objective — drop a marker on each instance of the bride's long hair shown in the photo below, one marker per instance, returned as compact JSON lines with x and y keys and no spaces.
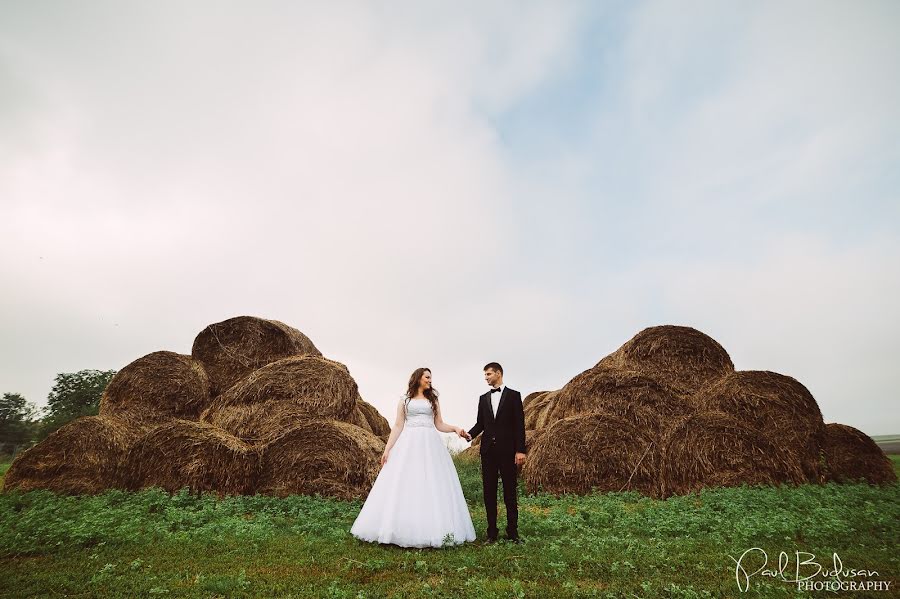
{"x":412,"y":389}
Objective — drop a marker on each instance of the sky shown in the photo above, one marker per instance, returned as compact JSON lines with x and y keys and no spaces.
{"x":447,"y":184}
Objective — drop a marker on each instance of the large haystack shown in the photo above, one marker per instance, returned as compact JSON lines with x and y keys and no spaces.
{"x":593,"y":451}
{"x":777,"y":406}
{"x":851,"y":455}
{"x":232,"y":349}
{"x":620,"y":393}
{"x":195,"y":455}
{"x":81,"y":457}
{"x":317,"y":387}
{"x":157,"y":388}
{"x":682,"y":358}
{"x":713,"y":449}
{"x":327,"y":457}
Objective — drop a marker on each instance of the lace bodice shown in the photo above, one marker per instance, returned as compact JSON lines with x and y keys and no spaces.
{"x":418,"y":413}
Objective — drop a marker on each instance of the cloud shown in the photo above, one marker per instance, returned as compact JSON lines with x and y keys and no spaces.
{"x":354,"y":170}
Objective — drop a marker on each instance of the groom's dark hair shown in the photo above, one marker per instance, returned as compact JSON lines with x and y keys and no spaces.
{"x":495,"y":367}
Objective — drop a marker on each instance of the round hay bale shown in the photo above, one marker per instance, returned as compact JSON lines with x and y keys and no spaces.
{"x":233,"y":348}
{"x":538,"y":415}
{"x":157,"y":387}
{"x":378,"y":424}
{"x":531,"y":397}
{"x":593,"y":452}
{"x":81,"y":457}
{"x":260,"y":422}
{"x":851,"y":456}
{"x":625,"y":393}
{"x":196,"y":455}
{"x":777,"y":406}
{"x":327,"y":457}
{"x":714,"y":449}
{"x":682,"y":358}
{"x":318,"y":387}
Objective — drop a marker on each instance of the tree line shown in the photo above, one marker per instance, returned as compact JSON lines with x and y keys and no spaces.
{"x":74,"y":394}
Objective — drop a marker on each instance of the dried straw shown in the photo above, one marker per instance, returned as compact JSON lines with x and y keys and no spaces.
{"x":80,"y":457}
{"x":325,"y":457}
{"x":232,"y":349}
{"x":851,"y":455}
{"x":714,"y":449}
{"x":778,"y":407}
{"x":644,"y":401}
{"x":593,"y":452}
{"x":157,"y":388}
{"x":196,"y":455}
{"x":682,"y":358}
{"x":316,"y":387}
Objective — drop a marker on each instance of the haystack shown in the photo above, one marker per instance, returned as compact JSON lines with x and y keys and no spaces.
{"x":317,"y":387}
{"x":538,"y":411}
{"x":851,"y":455}
{"x":714,"y":449}
{"x":232,"y":349}
{"x":157,"y":388}
{"x":195,"y":455}
{"x":682,"y":358}
{"x":777,"y":406}
{"x":81,"y":457}
{"x":531,"y":397}
{"x":644,"y":401}
{"x":327,"y":457}
{"x":378,"y":424}
{"x":593,"y":452}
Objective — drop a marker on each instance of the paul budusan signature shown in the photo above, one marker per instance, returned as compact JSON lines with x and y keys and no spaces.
{"x":803,"y":560}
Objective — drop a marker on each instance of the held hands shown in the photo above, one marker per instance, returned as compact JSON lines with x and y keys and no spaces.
{"x":463,"y":434}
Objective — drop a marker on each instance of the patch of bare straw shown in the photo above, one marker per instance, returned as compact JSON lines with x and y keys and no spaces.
{"x":714,"y":449}
{"x":594,"y":452}
{"x":315,"y":387}
{"x":682,"y":358}
{"x":156,"y":388}
{"x":851,"y":455}
{"x":195,"y":455}
{"x":325,"y":457}
{"x":644,"y":401}
{"x":232,"y":349}
{"x":378,"y":424}
{"x":81,"y":457}
{"x":776,"y":406}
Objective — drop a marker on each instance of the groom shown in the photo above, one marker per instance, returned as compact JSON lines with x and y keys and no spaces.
{"x":502,"y":419}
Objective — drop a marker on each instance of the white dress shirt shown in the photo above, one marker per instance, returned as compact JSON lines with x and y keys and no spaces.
{"x":495,"y":399}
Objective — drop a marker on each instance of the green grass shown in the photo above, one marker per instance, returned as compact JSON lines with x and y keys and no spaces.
{"x":611,"y":545}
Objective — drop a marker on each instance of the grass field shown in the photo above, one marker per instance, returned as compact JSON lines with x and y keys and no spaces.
{"x":613,"y":545}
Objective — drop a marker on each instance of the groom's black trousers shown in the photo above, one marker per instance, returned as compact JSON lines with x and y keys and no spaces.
{"x":493,"y":461}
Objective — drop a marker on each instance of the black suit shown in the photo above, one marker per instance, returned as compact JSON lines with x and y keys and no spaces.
{"x":504,"y":436}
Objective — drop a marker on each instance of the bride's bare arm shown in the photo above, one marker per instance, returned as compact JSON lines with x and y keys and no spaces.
{"x":395,"y":432}
{"x":443,"y":426}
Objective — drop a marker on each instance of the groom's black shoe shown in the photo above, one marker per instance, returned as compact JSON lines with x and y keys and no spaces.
{"x":514,"y":539}
{"x":491,"y":539}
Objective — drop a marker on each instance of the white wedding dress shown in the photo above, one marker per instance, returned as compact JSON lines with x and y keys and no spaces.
{"x":417,"y":500}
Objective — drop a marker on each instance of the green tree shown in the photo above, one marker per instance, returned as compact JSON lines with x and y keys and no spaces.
{"x":74,"y":394}
{"x":16,"y":422}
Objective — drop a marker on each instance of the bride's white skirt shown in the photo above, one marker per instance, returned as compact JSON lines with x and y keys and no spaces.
{"x":417,"y":499}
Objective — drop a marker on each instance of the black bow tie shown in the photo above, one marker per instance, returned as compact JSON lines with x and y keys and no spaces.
{"x":497,"y":390}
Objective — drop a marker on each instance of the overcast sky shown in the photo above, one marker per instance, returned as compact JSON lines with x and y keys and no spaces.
{"x":450,"y":183}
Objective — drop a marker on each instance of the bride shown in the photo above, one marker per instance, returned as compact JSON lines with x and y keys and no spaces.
{"x":416,"y":500}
